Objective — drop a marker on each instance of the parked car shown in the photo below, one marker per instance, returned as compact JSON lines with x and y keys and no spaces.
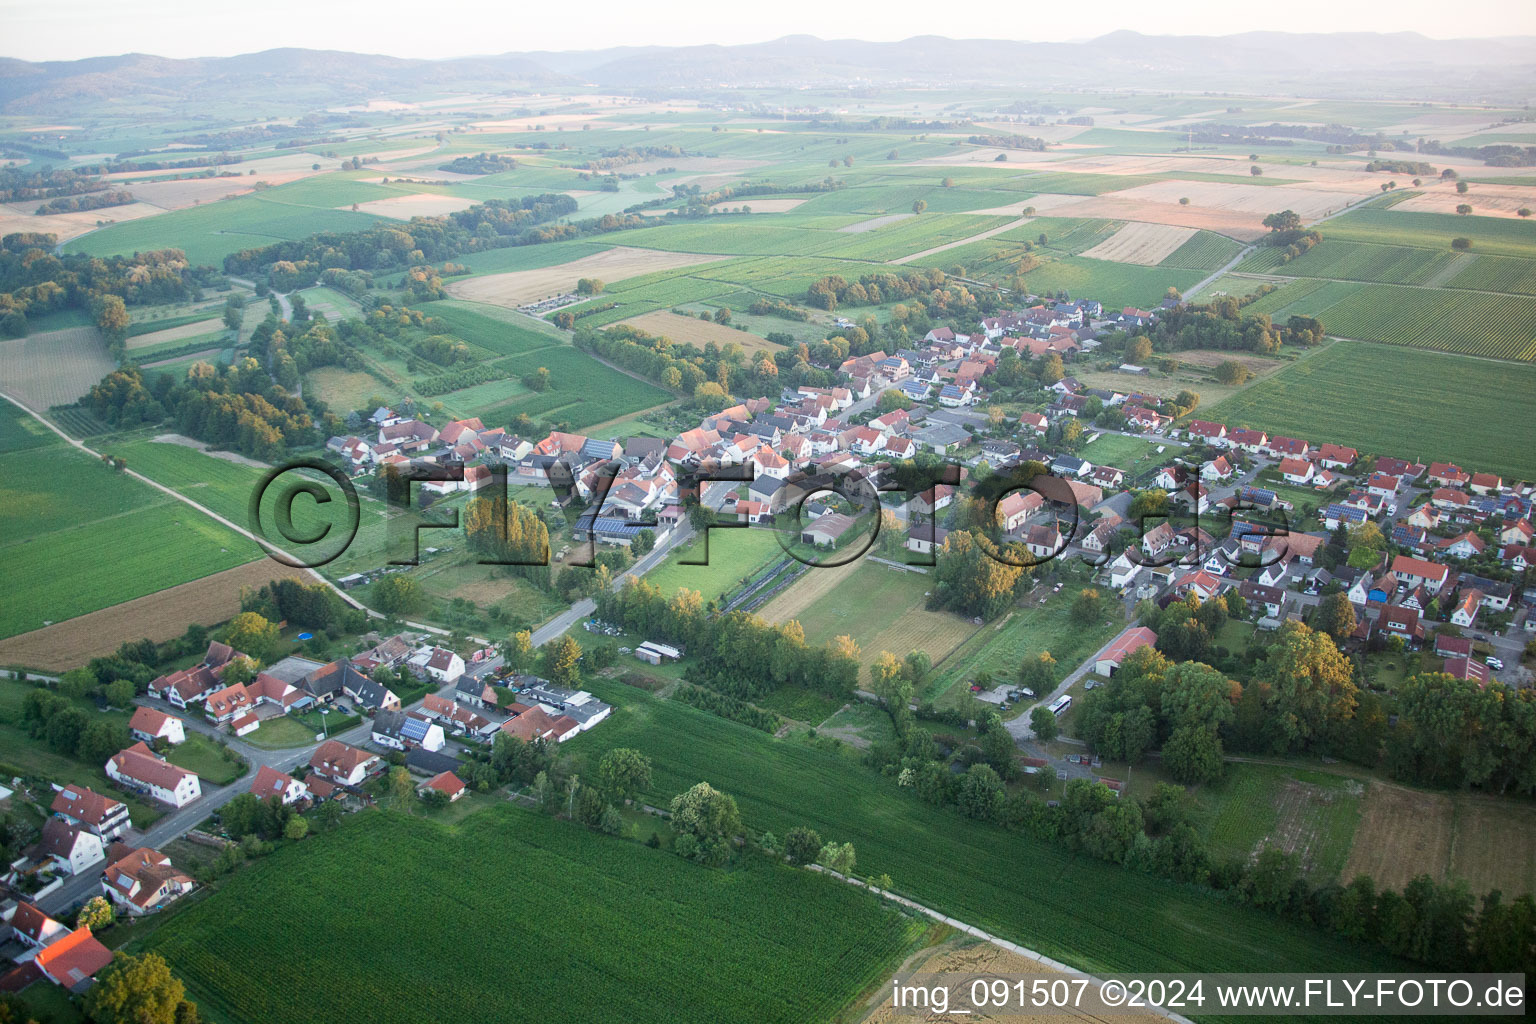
{"x":1492,"y":662}
{"x":1028,"y":693}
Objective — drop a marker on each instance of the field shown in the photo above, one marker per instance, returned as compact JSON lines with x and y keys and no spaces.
{"x":1094,"y":916}
{"x":172,"y":337}
{"x":1485,"y":200}
{"x":55,"y":368}
{"x":691,"y":331}
{"x":1395,"y":226}
{"x":734,"y":555}
{"x":1497,"y":326}
{"x":879,"y":606}
{"x":620,"y":932}
{"x":422,"y":204}
{"x":1310,"y":814}
{"x":518,"y":287}
{"x":1144,"y":244}
{"x":1119,"y":451}
{"x":1395,"y":401}
{"x":1002,"y":646}
{"x":1487,"y":841}
{"x":1357,"y":261}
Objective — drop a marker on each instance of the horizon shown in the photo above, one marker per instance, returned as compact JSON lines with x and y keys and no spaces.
{"x":94,"y":29}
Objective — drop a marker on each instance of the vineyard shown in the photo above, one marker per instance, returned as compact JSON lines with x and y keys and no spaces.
{"x":1379,"y":401}
{"x":1498,"y":274}
{"x":1498,"y":326}
{"x":1206,"y":251}
{"x":1354,"y":261}
{"x":514,"y":916}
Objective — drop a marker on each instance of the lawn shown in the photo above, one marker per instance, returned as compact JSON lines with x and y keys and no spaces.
{"x":733,"y":555}
{"x":1394,"y":402}
{"x":1118,"y":451}
{"x":280,"y":732}
{"x":1001,"y":647}
{"x":618,"y":931}
{"x":1094,"y":916}
{"x":205,"y":757}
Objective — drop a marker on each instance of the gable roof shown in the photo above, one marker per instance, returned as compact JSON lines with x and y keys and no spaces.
{"x":84,"y":804}
{"x":270,"y":782}
{"x":74,"y":959}
{"x":139,"y":763}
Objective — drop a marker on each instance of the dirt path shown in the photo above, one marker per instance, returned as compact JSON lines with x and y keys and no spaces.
{"x":964,"y":241}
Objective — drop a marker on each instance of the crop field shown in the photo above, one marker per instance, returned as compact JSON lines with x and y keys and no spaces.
{"x":160,"y":616}
{"x":1495,"y":235}
{"x":1497,"y":326}
{"x":1501,"y":200}
{"x":517,"y":287}
{"x":693,"y":331}
{"x":1092,"y":915}
{"x":882,"y":608}
{"x":583,"y":389}
{"x":1114,"y":284}
{"x":734,"y":555}
{"x":172,"y":337}
{"x":44,"y":370}
{"x":1044,"y":624}
{"x":906,"y":239}
{"x":1381,"y":399}
{"x":1144,"y":244}
{"x":764,"y":935}
{"x":347,"y":389}
{"x":1310,"y":814}
{"x":1356,"y":261}
{"x":490,"y":327}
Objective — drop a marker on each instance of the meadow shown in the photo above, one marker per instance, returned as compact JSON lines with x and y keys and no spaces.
{"x":1387,"y":400}
{"x":1310,"y":814}
{"x":618,"y":931}
{"x":1092,"y":915}
{"x":733,"y":555}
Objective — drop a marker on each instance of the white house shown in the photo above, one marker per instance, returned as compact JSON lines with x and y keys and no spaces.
{"x":439,"y":663}
{"x":71,"y":848}
{"x":149,"y":725}
{"x":270,"y":782}
{"x":102,"y":815}
{"x":138,"y":769}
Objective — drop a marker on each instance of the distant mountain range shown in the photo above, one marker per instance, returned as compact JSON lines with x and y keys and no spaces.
{"x":1401,"y":65}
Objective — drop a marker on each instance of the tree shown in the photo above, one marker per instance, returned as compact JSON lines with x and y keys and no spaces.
{"x":589,"y":286}
{"x":1138,"y":350}
{"x":1461,"y":244}
{"x":561,"y":662}
{"x":1088,"y":607}
{"x":400,"y":788}
{"x":1232,"y":373}
{"x":643,"y":544}
{"x":1193,"y":754}
{"x":919,"y":205}
{"x":251,"y":634}
{"x":1462,"y":188}
{"x":519,"y":651}
{"x":95,"y":915}
{"x":1051,"y":369}
{"x":1038,"y":673}
{"x":624,"y":773}
{"x":1335,"y":616}
{"x":1524,"y":211}
{"x":981,"y":792}
{"x":1152,"y":502}
{"x":1285,"y":220}
{"x":135,"y":990}
{"x":802,"y":844}
{"x":538,"y":380}
{"x":297,"y":828}
{"x":1463,"y":209}
{"x":112,"y":318}
{"x":119,"y":692}
{"x":710,"y":818}
{"x":1256,"y":170}
{"x":837,"y":856}
{"x":397,"y":594}
{"x":1184,"y":200}
{"x":1310,"y":687}
{"x":1044,"y":723}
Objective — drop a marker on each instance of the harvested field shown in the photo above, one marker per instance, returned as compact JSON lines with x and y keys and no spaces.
{"x":617,"y":264}
{"x":1495,"y":845}
{"x":54,"y":368}
{"x":984,"y":960}
{"x":19,"y":217}
{"x":759,"y":205}
{"x":1215,"y":357}
{"x":874,"y":222}
{"x":161,"y":616}
{"x":171,"y":334}
{"x":420,"y":204}
{"x":178,"y":195}
{"x":1252,"y":199}
{"x":1245,"y":227}
{"x":692,"y":331}
{"x":1144,"y":244}
{"x":1052,"y":201}
{"x":806,"y":591}
{"x":1485,"y":200}
{"x":1403,"y":833}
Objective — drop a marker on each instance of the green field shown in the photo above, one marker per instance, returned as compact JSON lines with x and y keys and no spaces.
{"x":60,"y":510}
{"x":1503,"y":236}
{"x":1205,"y":251}
{"x":605,"y":930}
{"x":734,"y":554}
{"x":1114,"y":284}
{"x":1355,"y":261}
{"x":1310,"y":814}
{"x":1092,"y":915}
{"x":1393,"y":401}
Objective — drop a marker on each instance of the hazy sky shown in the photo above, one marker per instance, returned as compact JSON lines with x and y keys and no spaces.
{"x":68,"y":29}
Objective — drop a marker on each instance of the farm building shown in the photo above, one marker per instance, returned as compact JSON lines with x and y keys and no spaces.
{"x":1133,"y":639}
{"x":656,"y":653}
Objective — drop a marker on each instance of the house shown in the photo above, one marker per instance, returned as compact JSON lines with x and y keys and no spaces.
{"x":1171,"y":478}
{"x":1414,"y":572}
{"x":437,"y":663}
{"x":328,"y":682}
{"x":1200,"y":583}
{"x":270,"y":782}
{"x":1468,"y":604}
{"x":1335,"y":514}
{"x":1203,"y":430}
{"x":344,"y":765}
{"x":138,"y":769}
{"x":142,"y":881}
{"x":1485,"y":483}
{"x":1400,"y":621}
{"x":1017,"y":507}
{"x":1122,"y":570}
{"x":1296,"y":470}
{"x":1270,"y":599}
{"x":1464,"y":546}
{"x":105,"y":817}
{"x":1334,"y":456}
{"x":185,"y":686}
{"x":1446,"y":474}
{"x":937,"y":497}
{"x":578,"y":706}
{"x":1044,"y":542}
{"x":1099,"y":537}
{"x":1133,"y":639}
{"x":224,"y":706}
{"x":446,"y":782}
{"x":149,"y":725}
{"x":399,"y":731}
{"x":1216,"y":470}
{"x":1254,"y":442}
{"x":1157,"y":540}
{"x":69,"y":848}
{"x":1288,"y":447}
{"x":1107,"y":476}
{"x":1070,"y":465}
{"x":34,"y":928}
{"x":73,"y":960}
{"x":1036,"y":421}
{"x":925,"y":538}
{"x":826,"y":531}
{"x":1383,"y":485}
{"x":474,"y":692}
